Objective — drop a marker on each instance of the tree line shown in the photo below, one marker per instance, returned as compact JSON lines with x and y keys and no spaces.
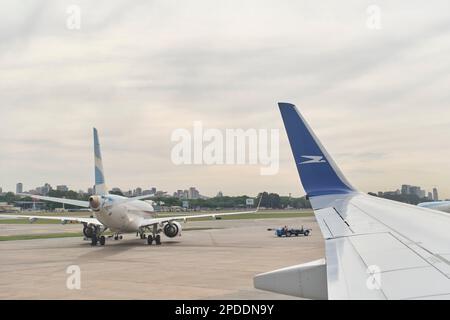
{"x":405,"y":198}
{"x":269,"y":200}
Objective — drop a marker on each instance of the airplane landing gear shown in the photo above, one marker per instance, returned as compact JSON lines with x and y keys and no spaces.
{"x":154,"y":236}
{"x":94,"y":240}
{"x":97,"y":236}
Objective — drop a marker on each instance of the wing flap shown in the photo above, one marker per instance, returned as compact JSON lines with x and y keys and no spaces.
{"x":331,"y":224}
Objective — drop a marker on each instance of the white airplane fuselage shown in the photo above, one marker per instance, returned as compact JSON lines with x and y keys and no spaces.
{"x":443,"y":206}
{"x":123,"y":217}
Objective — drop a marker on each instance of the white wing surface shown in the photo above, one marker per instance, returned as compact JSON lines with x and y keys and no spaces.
{"x":58,"y":218}
{"x":78,"y":203}
{"x":152,"y":221}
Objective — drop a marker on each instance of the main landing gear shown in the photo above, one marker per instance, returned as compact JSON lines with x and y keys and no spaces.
{"x":157,"y":239}
{"x":97,"y":236}
{"x":102,"y":239}
{"x":154,"y":236}
{"x":98,"y":239}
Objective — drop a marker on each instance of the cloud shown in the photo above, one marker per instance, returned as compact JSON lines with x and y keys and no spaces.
{"x":139,"y":70}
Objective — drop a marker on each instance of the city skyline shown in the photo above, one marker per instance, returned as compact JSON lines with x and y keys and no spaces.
{"x":377,"y":99}
{"x":407,"y":189}
{"x":190,"y":193}
{"x":194,"y":193}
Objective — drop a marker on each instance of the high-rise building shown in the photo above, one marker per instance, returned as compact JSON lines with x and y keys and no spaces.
{"x":178,"y":194}
{"x":414,"y":190}
{"x":128,"y":193}
{"x":430,"y":196}
{"x":193,"y":193}
{"x":19,"y":187}
{"x":138,"y":192}
{"x":406,"y":189}
{"x":46,"y":189}
{"x":62,"y":188}
{"x":116,"y":190}
{"x":161,"y":193}
{"x":435,"y":194}
{"x":219,"y":194}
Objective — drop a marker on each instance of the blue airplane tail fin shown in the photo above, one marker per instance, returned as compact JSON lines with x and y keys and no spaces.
{"x":318,"y":172}
{"x":100,"y":186}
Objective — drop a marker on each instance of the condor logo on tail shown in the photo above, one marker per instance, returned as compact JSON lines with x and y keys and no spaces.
{"x":313,"y":159}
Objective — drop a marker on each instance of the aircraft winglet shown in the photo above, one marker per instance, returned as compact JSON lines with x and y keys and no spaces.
{"x":318,"y":172}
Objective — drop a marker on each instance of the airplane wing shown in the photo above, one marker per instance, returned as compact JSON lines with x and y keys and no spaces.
{"x":152,"y":221}
{"x":138,"y":198}
{"x":78,"y":203}
{"x":63,"y":220}
{"x":375,"y":248}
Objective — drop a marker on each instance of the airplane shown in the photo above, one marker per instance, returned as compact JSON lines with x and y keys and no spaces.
{"x":436,"y":205}
{"x":119,"y":214}
{"x":374,"y":248}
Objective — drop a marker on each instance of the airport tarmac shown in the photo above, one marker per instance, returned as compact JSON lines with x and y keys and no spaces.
{"x":216,"y":263}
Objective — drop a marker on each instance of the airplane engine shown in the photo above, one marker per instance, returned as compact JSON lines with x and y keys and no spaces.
{"x":88,"y":231}
{"x":95,"y":202}
{"x":172,"y":229}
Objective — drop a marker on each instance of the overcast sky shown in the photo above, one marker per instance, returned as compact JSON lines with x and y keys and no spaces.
{"x":378,"y":99}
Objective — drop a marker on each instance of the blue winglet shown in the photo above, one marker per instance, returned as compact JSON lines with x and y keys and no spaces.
{"x":318,"y":172}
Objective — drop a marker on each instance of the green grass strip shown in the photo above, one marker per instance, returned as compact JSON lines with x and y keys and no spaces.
{"x":41,"y":236}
